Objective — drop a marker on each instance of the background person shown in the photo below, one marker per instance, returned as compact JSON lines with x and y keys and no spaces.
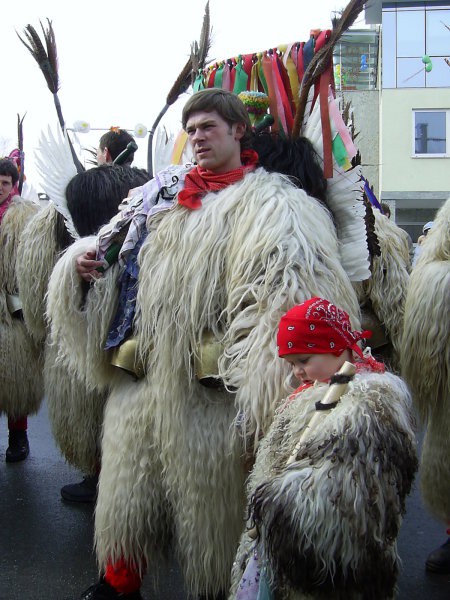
{"x":418,"y":249}
{"x":111,"y":144}
{"x":426,"y":368}
{"x":21,"y":385}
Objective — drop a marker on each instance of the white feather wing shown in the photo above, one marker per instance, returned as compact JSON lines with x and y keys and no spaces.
{"x":345,"y":199}
{"x":56,"y":167}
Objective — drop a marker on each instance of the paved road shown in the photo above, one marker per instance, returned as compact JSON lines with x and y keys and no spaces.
{"x":46,"y":544}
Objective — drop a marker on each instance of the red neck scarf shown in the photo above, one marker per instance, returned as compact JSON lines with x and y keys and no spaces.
{"x":199,"y":182}
{"x":4,"y":206}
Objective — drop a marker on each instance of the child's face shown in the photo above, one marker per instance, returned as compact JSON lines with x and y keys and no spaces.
{"x":315,"y":367}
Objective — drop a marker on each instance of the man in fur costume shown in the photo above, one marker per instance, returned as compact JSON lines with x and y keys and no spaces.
{"x":426,"y":367}
{"x":234,"y":248}
{"x":21,"y":389}
{"x":328,"y":488}
{"x":90,"y":199}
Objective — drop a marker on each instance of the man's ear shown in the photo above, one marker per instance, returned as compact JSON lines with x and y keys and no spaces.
{"x":108,"y":156}
{"x":240,"y":130}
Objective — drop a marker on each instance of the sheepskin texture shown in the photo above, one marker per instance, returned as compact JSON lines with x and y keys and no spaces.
{"x":75,"y":414}
{"x":79,"y":320}
{"x":172,"y":449}
{"x":385,"y":291}
{"x":37,"y":255}
{"x":21,"y":389}
{"x":425,"y":360}
{"x":327,"y":524}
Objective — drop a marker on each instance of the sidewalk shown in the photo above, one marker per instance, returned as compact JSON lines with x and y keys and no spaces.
{"x":46,"y":545}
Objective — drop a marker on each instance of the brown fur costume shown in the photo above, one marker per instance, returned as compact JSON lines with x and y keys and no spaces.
{"x":21,"y":389}
{"x":426,"y":360}
{"x":328,"y":522}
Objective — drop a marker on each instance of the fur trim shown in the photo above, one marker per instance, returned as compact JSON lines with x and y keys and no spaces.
{"x":426,"y":359}
{"x":21,"y":389}
{"x":192,"y":487}
{"x":328,"y":523}
{"x":75,"y":414}
{"x":79,"y":323}
{"x":14,"y":221}
{"x":36,"y":258}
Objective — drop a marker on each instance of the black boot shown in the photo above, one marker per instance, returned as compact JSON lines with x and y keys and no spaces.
{"x":18,"y":447}
{"x":438,"y":561}
{"x":85,"y":491}
{"x":103,"y":591}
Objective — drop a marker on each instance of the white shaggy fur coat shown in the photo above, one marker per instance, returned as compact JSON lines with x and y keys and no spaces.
{"x":172,"y":449}
{"x":21,"y":385}
{"x":328,"y":522}
{"x":426,"y":360}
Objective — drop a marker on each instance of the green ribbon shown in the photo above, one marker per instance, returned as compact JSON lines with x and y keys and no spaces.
{"x":241,"y":77}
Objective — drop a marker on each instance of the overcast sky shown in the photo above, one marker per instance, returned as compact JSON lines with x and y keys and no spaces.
{"x":118,"y":60}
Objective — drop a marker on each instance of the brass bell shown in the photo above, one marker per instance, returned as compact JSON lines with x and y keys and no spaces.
{"x":206,"y":360}
{"x":370,"y":321}
{"x":125,"y":357}
{"x":14,"y":304}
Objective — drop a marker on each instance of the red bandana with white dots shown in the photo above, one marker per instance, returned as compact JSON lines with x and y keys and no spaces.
{"x":317,"y":327}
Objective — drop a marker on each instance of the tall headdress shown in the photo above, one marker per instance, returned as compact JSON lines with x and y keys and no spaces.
{"x":296,"y":80}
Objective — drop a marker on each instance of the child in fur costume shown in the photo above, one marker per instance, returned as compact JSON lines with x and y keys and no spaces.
{"x":328,"y":488}
{"x":21,"y":389}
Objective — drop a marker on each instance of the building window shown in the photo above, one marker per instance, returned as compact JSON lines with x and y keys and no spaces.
{"x":355,"y":60}
{"x":416,"y":46}
{"x":430,"y":133}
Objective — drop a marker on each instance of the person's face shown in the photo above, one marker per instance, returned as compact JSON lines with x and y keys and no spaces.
{"x":307,"y":368}
{"x":216,"y":144}
{"x":6,"y":186}
{"x":103,"y":156}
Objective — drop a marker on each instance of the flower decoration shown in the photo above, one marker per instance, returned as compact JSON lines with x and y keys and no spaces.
{"x":256,"y":104}
{"x":81,"y":127}
{"x":140,"y":130}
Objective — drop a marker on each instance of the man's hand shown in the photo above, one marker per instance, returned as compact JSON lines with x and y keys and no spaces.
{"x":87,"y":266}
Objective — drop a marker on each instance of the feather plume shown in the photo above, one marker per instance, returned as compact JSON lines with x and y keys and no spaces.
{"x":197,"y":60}
{"x":322,"y":58}
{"x":46,"y":58}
